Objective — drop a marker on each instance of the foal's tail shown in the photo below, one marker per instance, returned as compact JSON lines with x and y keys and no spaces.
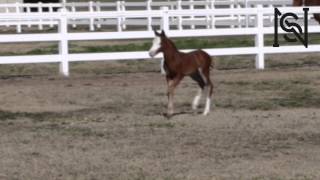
{"x":209,"y":58}
{"x":211,"y":63}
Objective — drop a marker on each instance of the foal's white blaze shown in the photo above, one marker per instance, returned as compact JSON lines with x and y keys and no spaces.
{"x":207,"y":109}
{"x":196,"y":100}
{"x":155,"y":46}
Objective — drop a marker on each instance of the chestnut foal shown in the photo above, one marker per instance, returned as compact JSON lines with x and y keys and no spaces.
{"x":308,"y":3}
{"x":195,"y":64}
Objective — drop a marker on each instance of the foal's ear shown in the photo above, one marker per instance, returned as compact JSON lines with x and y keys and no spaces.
{"x":163,"y":33}
{"x":156,"y":33}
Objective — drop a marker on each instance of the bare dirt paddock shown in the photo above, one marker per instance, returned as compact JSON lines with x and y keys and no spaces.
{"x":265,"y":125}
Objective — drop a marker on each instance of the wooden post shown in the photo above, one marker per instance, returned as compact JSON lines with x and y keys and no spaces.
{"x":73,"y":9}
{"x":18,"y":11}
{"x":165,"y":19}
{"x":149,"y":8}
{"x":259,"y":40}
{"x":213,"y":22}
{"x":192,"y":17}
{"x":64,"y":44}
{"x":40,"y":26}
{"x":98,"y":9}
{"x":119,"y":27}
{"x":91,"y":19}
{"x":179,"y":7}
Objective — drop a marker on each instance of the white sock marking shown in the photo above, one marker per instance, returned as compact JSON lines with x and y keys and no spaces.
{"x":196,"y":100}
{"x":207,"y":108}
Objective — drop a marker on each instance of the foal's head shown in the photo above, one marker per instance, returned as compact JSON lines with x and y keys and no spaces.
{"x":160,"y":44}
{"x":157,"y":47}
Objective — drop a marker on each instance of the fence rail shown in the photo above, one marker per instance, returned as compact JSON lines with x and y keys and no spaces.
{"x":164,"y":16}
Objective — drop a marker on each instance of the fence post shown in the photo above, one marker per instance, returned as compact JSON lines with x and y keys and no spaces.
{"x":98,"y":9}
{"x":239,"y":16}
{"x":91,"y":19}
{"x":232,"y":6}
{"x":207,"y":7}
{"x":212,"y":6}
{"x":191,"y":7}
{"x":63,"y":44}
{"x":40,"y":11}
{"x":18,"y":11}
{"x":28,"y":8}
{"x":119,"y":27}
{"x":246,"y":5}
{"x":179,"y":7}
{"x":259,"y":39}
{"x":50,"y":6}
{"x":123,"y":19}
{"x":165,"y":19}
{"x":73,"y":9}
{"x":149,"y":8}
{"x":7,"y":10}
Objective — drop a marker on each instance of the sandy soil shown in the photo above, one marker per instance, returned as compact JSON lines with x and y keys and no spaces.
{"x":111,"y":127}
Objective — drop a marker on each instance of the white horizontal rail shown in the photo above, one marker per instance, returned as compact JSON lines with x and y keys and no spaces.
{"x":153,"y":3}
{"x":29,"y":59}
{"x":138,"y":34}
{"x":10,"y":38}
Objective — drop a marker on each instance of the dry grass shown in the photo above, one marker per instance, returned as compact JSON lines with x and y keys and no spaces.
{"x":97,"y":125}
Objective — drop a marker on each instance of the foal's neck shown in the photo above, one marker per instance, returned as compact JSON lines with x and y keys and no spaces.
{"x":170,"y":50}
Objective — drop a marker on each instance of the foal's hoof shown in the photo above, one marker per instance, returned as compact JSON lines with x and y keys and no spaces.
{"x":167,"y":115}
{"x":205,"y":113}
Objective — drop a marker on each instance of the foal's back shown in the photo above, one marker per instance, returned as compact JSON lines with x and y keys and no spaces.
{"x":195,"y":60}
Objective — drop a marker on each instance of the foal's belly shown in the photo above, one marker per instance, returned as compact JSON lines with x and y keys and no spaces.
{"x":189,"y":69}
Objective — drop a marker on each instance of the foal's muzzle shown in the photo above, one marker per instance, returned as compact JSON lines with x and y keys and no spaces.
{"x":152,"y":54}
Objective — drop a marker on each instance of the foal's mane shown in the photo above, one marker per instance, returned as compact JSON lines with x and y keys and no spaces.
{"x":169,"y":43}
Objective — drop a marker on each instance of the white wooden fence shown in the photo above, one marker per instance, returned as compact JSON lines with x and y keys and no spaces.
{"x":123,"y":6}
{"x":63,"y":36}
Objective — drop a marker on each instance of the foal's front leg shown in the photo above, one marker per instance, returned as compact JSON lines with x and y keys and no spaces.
{"x":172,"y":84}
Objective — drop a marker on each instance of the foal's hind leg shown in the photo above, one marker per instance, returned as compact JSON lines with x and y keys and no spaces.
{"x":209,"y":91}
{"x":199,"y":79}
{"x":196,"y":100}
{"x":208,"y":88}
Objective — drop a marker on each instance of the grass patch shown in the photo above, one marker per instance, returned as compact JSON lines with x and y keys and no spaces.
{"x":270,"y":94}
{"x":114,"y":67}
{"x":300,"y":97}
{"x":234,"y":62}
{"x":7,"y":115}
{"x":52,"y":49}
{"x":186,"y":43}
{"x":23,"y":70}
{"x":310,"y":60}
{"x":314,"y":38}
{"x":166,"y":125}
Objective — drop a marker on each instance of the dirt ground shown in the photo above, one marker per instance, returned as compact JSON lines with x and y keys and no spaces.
{"x":264,"y":125}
